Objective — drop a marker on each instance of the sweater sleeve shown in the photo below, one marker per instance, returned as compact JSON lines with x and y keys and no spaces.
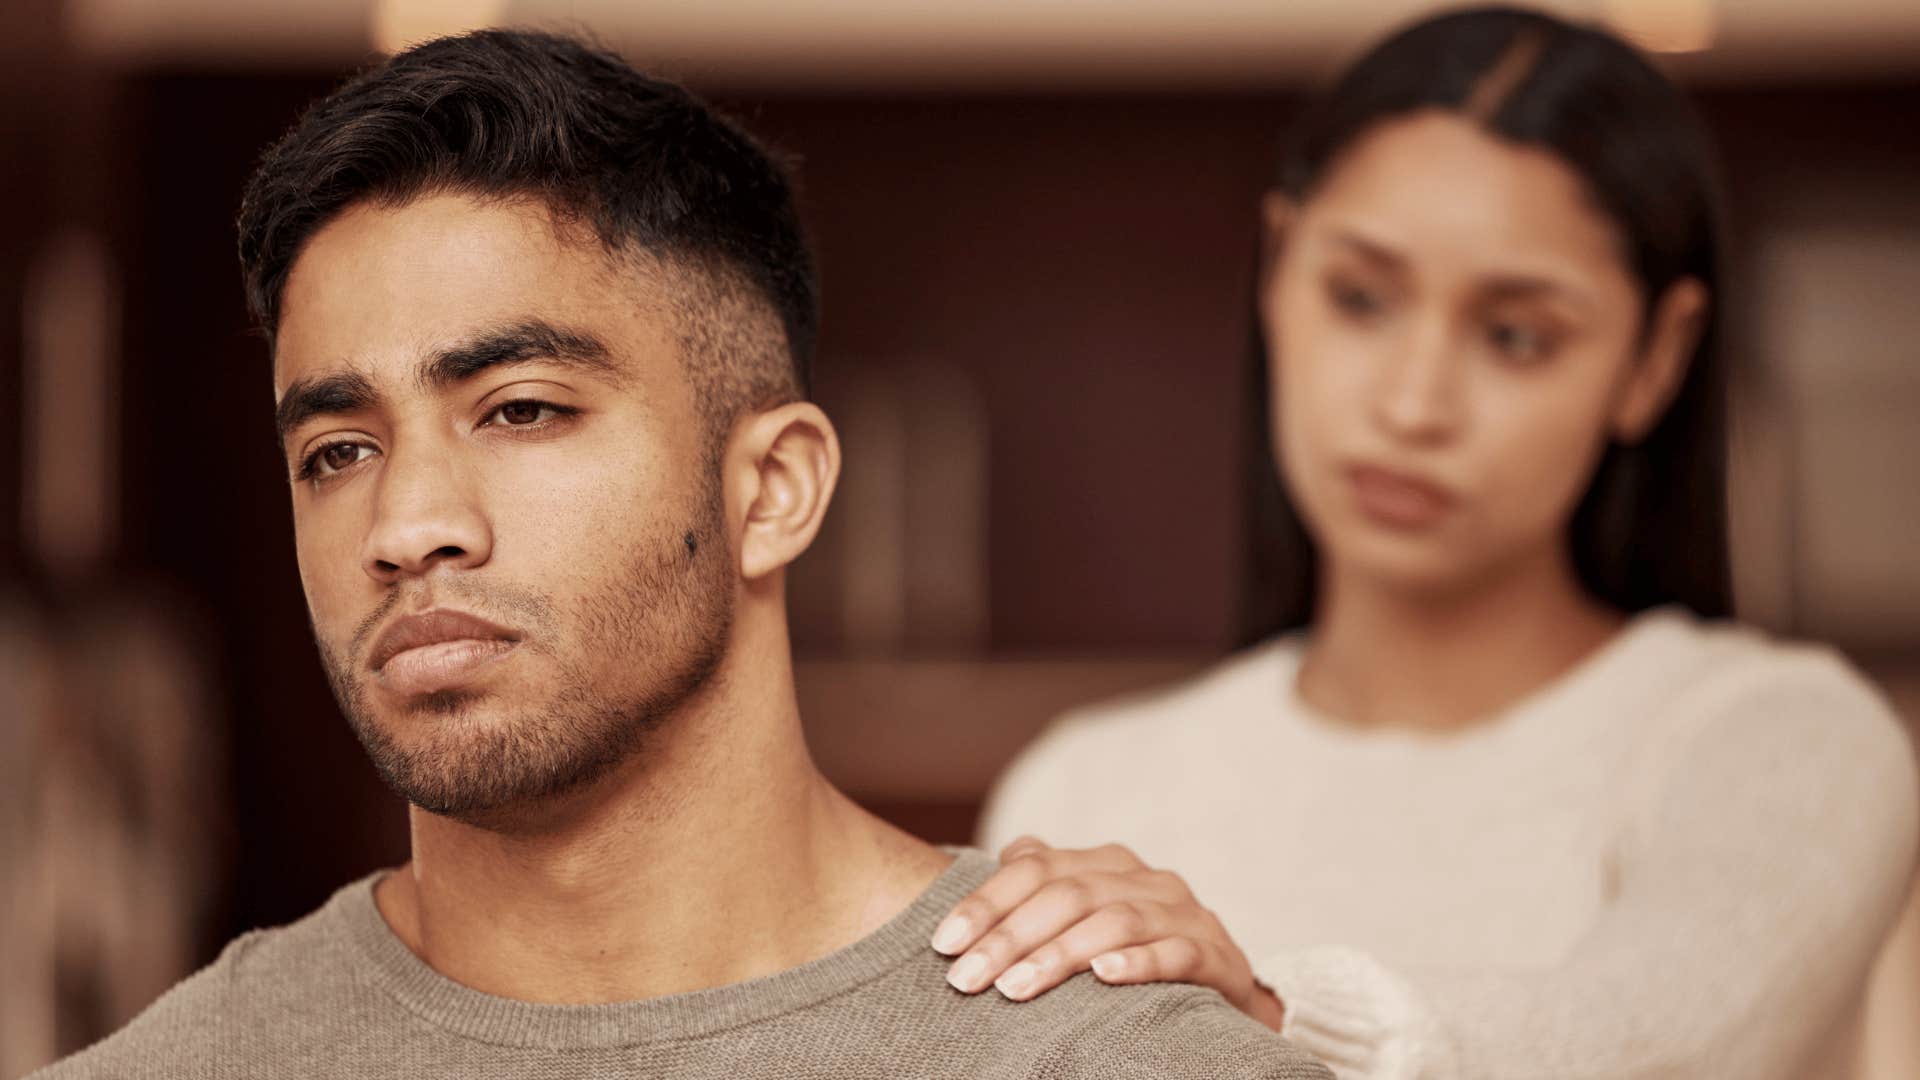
{"x":1767,"y":848}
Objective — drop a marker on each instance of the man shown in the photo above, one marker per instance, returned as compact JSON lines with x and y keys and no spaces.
{"x":540,"y":330}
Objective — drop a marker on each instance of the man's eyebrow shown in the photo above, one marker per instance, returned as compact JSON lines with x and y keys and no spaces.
{"x":348,"y":391}
{"x":523,"y":342}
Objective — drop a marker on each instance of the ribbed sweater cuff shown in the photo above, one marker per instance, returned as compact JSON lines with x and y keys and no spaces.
{"x":1362,"y":1019}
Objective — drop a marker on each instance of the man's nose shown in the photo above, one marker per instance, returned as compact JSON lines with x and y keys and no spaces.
{"x":424,"y":515}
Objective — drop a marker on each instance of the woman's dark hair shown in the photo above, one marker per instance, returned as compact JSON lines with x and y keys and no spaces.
{"x":1652,"y":526}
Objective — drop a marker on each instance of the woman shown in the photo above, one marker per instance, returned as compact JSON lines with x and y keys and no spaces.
{"x":1507,"y":796}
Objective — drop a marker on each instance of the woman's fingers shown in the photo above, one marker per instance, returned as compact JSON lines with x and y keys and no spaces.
{"x":1112,"y":928}
{"x":1049,"y":913}
{"x":1170,"y":959}
{"x":984,"y":907}
{"x":1022,"y":845}
{"x":1053,"y":909}
{"x":1023,"y":875}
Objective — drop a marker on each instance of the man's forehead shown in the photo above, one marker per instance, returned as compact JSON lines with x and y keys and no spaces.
{"x":382,"y":288}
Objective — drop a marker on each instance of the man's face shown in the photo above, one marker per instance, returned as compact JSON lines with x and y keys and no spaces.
{"x":509,"y":531}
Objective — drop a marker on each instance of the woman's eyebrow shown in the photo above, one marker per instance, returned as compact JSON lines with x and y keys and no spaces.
{"x":1505,"y":287}
{"x":526,"y":341}
{"x":1368,"y":248}
{"x":1497,"y":287}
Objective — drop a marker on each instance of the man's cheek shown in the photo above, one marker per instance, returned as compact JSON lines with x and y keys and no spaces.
{"x":326,"y":594}
{"x":556,"y":512}
{"x":313,"y":584}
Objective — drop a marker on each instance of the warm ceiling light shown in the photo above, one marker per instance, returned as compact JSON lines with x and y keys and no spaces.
{"x":1668,"y":26}
{"x":400,"y":23}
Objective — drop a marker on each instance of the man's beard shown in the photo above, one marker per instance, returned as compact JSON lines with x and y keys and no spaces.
{"x":661,"y":629}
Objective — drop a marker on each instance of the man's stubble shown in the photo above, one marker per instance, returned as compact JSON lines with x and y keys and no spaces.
{"x":658,"y":631}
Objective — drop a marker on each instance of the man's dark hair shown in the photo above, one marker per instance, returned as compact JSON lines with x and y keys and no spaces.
{"x":648,"y":167}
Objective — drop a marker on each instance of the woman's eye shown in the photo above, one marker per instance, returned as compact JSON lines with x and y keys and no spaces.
{"x":1518,"y":341}
{"x":523,"y":413}
{"x":1355,"y":300}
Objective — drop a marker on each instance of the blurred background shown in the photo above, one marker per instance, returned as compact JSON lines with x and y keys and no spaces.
{"x":1035,"y":224}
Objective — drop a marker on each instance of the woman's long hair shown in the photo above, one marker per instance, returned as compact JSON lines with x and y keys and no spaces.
{"x":1652,"y":527}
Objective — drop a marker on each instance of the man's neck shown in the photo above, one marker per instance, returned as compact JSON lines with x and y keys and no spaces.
{"x":1397,"y":657}
{"x":719,"y":854}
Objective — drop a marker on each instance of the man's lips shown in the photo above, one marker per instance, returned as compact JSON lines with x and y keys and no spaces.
{"x":436,"y":649}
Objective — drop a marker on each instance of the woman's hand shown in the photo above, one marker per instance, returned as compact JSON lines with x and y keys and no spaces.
{"x":1048,"y":914}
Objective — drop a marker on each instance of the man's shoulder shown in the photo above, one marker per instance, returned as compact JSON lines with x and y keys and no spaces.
{"x":1085,"y":1028}
{"x":179,"y":1034}
{"x":1080,"y":1028}
{"x":251,"y":996}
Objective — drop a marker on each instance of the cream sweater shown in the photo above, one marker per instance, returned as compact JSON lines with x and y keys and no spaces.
{"x":1676,"y":861}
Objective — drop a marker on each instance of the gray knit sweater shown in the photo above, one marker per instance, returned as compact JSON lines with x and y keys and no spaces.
{"x":338,"y":995}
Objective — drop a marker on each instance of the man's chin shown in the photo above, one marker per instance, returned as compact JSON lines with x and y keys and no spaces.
{"x":420,"y":718}
{"x":473,"y":757}
{"x":440,"y":703}
{"x":485,"y":803}
{"x":489,"y":795}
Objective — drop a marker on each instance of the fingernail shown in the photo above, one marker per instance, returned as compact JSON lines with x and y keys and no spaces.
{"x":969,"y":974}
{"x":1017,"y":983}
{"x":951,"y":937}
{"x":1109,"y":965}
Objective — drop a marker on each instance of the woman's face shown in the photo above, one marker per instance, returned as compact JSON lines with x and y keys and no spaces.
{"x":1455,"y":338}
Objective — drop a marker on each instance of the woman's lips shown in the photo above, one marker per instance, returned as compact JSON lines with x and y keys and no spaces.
{"x":1398,"y":500}
{"x":443,"y":665}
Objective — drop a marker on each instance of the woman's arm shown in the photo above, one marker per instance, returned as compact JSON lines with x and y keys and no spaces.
{"x":1766,"y":851}
{"x":1759,"y":875}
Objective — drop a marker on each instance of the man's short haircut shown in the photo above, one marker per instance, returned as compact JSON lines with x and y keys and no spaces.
{"x":649,"y":168}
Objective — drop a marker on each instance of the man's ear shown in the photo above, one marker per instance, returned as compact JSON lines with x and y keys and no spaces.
{"x":781,"y":468}
{"x":1654,"y":381}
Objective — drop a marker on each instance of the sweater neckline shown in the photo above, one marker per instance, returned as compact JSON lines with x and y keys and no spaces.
{"x":1641,"y":632}
{"x":473,"y":1014}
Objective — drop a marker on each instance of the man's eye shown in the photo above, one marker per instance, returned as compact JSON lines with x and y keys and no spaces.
{"x":333,"y":458}
{"x":523,"y":413}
